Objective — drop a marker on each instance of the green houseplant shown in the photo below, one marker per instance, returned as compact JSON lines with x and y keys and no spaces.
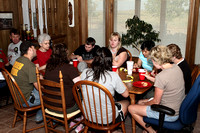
{"x":138,"y":31}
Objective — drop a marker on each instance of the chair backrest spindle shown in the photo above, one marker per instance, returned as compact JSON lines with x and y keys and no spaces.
{"x":96,"y":103}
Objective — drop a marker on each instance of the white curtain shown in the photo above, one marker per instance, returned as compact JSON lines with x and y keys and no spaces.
{"x":40,"y":23}
{"x":33,"y":13}
{"x":25,"y":11}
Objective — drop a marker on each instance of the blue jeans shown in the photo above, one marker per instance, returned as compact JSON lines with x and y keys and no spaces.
{"x":36,"y":102}
{"x":2,"y":83}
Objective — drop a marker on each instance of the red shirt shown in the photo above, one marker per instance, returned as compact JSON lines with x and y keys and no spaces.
{"x":42,"y":57}
{"x":3,"y":59}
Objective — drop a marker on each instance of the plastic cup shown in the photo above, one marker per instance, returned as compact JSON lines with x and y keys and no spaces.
{"x":114,"y":68}
{"x":141,"y":72}
{"x":129,"y":67}
{"x":75,"y":62}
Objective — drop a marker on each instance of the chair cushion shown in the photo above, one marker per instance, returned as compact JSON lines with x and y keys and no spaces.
{"x":177,"y":125}
{"x":61,"y":115}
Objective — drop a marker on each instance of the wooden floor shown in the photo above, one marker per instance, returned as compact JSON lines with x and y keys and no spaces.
{"x":7,"y":114}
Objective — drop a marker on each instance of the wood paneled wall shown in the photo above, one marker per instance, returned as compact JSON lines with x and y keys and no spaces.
{"x":57,"y":22}
{"x":8,"y":5}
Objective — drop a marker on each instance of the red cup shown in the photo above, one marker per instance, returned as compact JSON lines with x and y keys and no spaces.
{"x":141,"y":72}
{"x":114,"y":68}
{"x":141,"y":76}
{"x":75,"y":62}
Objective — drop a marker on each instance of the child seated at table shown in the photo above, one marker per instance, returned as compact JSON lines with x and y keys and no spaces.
{"x":142,"y":60}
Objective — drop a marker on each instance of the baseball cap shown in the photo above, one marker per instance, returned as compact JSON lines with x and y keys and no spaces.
{"x":25,"y":45}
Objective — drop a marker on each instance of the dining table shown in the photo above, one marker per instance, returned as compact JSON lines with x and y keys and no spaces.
{"x":133,"y":90}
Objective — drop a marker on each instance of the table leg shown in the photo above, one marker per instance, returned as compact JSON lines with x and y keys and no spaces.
{"x":132,"y":97}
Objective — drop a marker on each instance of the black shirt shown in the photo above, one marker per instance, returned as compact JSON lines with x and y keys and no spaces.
{"x":186,"y":74}
{"x":122,"y":49}
{"x":84,"y":54}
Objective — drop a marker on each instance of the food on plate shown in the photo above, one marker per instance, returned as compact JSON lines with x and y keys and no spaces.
{"x":144,"y":83}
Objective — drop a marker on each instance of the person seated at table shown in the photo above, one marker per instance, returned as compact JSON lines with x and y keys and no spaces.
{"x":14,"y":47}
{"x":119,"y":53}
{"x":44,"y":52}
{"x":182,"y":63}
{"x":86,"y":52}
{"x":59,"y":62}
{"x":24,"y":72}
{"x":143,"y":60}
{"x":101,"y":72}
{"x":169,"y":89}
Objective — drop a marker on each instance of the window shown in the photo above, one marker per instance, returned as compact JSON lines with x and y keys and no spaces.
{"x":197,"y":55}
{"x":96,"y":21}
{"x":169,"y":17}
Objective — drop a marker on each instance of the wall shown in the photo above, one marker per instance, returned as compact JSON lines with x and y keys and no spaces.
{"x":8,"y":5}
{"x":57,"y":22}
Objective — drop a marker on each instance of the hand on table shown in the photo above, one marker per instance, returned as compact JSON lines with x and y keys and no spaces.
{"x":79,"y":58}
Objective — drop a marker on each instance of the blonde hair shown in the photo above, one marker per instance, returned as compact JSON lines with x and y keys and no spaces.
{"x":176,"y":51}
{"x":116,"y":34}
{"x":160,"y":54}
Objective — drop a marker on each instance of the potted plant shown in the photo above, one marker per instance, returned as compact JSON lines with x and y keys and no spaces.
{"x":138,"y":31}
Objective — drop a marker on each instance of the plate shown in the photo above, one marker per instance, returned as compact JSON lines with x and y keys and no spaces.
{"x":142,"y":84}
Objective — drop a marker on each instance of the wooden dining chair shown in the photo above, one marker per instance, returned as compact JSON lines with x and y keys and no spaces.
{"x":130,"y":55}
{"x":54,"y":105}
{"x":92,"y":99}
{"x":195,"y":73}
{"x":19,"y":100}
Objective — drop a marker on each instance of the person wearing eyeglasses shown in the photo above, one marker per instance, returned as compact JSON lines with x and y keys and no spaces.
{"x":44,"y":52}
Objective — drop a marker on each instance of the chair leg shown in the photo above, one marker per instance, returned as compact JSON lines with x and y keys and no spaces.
{"x":86,"y":129}
{"x":45,"y":124}
{"x":123,"y":127}
{"x":15,"y":118}
{"x":24,"y":122}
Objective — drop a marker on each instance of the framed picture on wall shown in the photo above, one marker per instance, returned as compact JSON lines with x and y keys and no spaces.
{"x":6,"y":20}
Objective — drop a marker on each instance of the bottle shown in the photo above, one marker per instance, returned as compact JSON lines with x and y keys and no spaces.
{"x":23,"y":33}
{"x":28,"y":38}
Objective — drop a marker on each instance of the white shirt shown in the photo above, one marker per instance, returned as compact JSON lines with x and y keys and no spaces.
{"x":1,"y":76}
{"x":14,"y":52}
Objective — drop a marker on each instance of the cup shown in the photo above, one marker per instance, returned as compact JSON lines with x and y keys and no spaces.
{"x":129,"y":67}
{"x":114,"y":68}
{"x":141,"y":72}
{"x":75,"y":62}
